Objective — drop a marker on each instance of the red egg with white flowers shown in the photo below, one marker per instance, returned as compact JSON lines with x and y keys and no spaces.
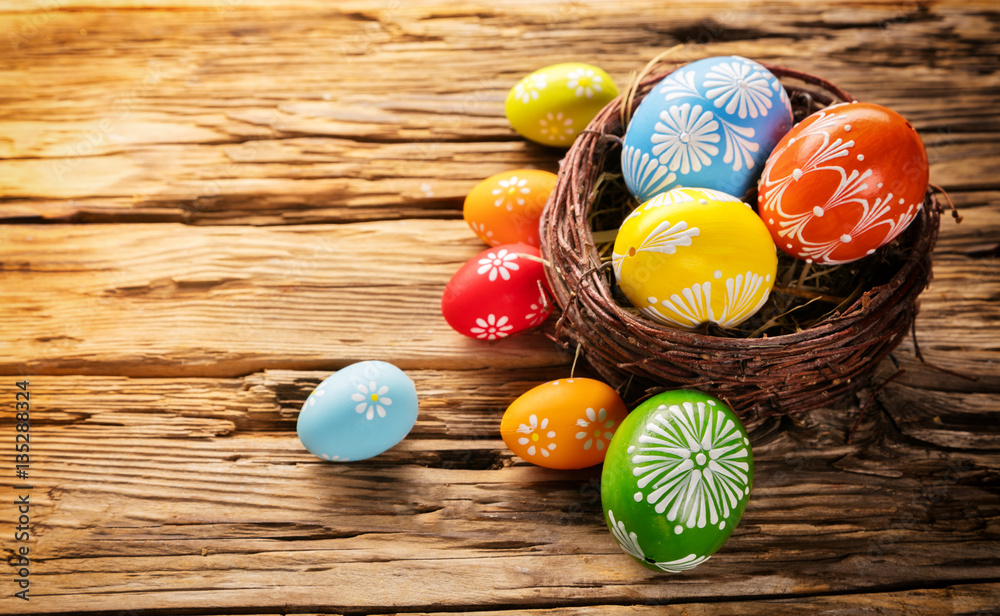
{"x":497,"y":293}
{"x":845,"y":181}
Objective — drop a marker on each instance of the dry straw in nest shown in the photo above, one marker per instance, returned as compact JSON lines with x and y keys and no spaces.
{"x":817,"y":339}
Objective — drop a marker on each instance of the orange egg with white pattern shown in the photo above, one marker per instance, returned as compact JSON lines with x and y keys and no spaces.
{"x":563,"y":424}
{"x":842,"y":183}
{"x":505,"y":208}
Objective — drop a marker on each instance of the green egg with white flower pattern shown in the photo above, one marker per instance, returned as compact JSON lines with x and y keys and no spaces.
{"x":552,"y":105}
{"x":676,"y":479}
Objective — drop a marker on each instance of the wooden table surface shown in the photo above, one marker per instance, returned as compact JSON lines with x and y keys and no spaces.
{"x":209,"y":206}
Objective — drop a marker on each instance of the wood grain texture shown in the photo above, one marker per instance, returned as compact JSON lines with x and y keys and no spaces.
{"x":230,"y":300}
{"x":209,"y":206}
{"x":224,"y":301}
{"x":139,"y":485}
{"x":227,"y":130}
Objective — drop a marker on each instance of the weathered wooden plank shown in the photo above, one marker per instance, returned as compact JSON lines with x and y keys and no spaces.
{"x":970,"y":599}
{"x":250,"y":544}
{"x":958,"y":600}
{"x":454,"y":404}
{"x":961,"y":600}
{"x":234,"y":184}
{"x":168,"y":481}
{"x":360,"y":142}
{"x":225,"y":301}
{"x":953,"y":419}
{"x":179,"y":518}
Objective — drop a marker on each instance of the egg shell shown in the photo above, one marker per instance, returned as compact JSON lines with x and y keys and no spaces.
{"x":563,"y":424}
{"x":552,"y":105}
{"x":843,"y":182}
{"x":505,"y":208}
{"x":358,"y":412}
{"x":710,"y":123}
{"x":691,"y":255}
{"x":676,"y":480}
{"x":497,"y":293}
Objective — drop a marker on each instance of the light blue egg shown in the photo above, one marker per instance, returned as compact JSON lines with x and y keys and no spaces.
{"x":359,"y":412}
{"x":709,"y":124}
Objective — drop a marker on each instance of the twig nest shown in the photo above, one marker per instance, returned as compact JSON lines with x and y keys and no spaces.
{"x":818,"y":338}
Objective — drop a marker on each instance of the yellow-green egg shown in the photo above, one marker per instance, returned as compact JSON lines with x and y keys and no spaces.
{"x":552,"y":105}
{"x":690,"y":256}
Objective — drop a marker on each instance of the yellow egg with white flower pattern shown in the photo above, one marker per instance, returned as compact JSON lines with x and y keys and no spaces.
{"x":552,"y":105}
{"x":690,"y":256}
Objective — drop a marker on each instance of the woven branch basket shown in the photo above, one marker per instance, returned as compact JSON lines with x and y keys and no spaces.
{"x":757,"y":376}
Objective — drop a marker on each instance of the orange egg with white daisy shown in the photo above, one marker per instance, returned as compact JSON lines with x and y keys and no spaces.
{"x":563,"y":424}
{"x":505,"y":208}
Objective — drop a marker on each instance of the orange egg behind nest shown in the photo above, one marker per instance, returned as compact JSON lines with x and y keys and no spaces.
{"x":505,"y":208}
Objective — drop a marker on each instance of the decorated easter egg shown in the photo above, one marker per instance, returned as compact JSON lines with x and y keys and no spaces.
{"x":676,"y":480}
{"x":690,"y":256}
{"x":552,"y":105}
{"x":497,"y":293}
{"x":359,"y":412}
{"x":505,"y":208}
{"x":843,"y":182}
{"x":710,"y":123}
{"x":565,"y":424}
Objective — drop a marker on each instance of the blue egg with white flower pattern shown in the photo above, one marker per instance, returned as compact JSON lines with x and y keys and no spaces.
{"x":709,"y":124}
{"x":359,"y":412}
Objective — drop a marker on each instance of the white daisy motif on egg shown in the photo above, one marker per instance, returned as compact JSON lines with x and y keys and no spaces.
{"x":689,"y":309}
{"x":538,"y":313}
{"x":527,"y":89}
{"x":599,"y":429}
{"x":648,"y":176}
{"x":317,"y":393}
{"x":479,"y":228}
{"x":692,"y":464}
{"x":683,"y":138}
{"x":500,"y":263}
{"x":741,"y":89}
{"x":511,"y":191}
{"x":371,"y":399}
{"x":678,"y":84}
{"x":584,"y":82}
{"x":535,"y":433}
{"x":665,"y":238}
{"x":492,"y":327}
{"x":556,"y":127}
{"x":629,"y":543}
{"x":744,"y":297}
